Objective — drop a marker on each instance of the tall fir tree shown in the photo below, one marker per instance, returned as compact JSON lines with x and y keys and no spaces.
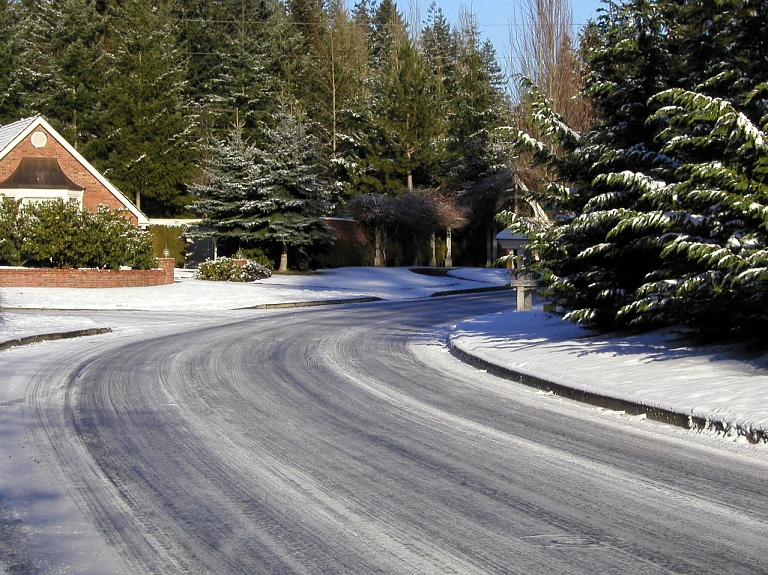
{"x":143,"y":146}
{"x":293,"y":196}
{"x":229,"y":199}
{"x":405,"y":121}
{"x":332,"y":84}
{"x":439,"y":47}
{"x":478,"y":103}
{"x":63,"y":62}
{"x":10,"y":52}
{"x":237,"y":52}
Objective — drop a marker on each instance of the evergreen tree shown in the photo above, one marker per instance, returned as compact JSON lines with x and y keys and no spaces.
{"x":229,"y":200}
{"x":712,"y":275}
{"x":385,"y":33}
{"x":398,"y":148}
{"x":10,"y":52}
{"x":237,"y":51}
{"x":333,"y":85}
{"x":591,"y":259}
{"x":405,"y":121}
{"x":440,"y":50}
{"x":63,"y":63}
{"x":260,"y":40}
{"x":143,"y":148}
{"x":477,"y":104}
{"x":292,"y":195}
{"x":665,"y":199}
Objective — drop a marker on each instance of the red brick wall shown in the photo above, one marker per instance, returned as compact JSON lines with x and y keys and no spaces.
{"x":87,"y":278}
{"x":94,"y":194}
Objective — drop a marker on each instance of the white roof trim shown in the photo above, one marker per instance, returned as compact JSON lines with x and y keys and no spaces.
{"x":38,"y":122}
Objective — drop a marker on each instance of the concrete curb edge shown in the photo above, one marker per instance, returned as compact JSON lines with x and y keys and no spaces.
{"x":470,"y":291}
{"x":686,"y":421}
{"x":312,"y":303}
{"x":53,"y":336}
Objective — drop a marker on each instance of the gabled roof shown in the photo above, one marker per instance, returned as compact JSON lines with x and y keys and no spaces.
{"x":12,"y":134}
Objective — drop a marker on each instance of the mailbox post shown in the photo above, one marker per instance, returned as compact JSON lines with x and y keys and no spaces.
{"x":517,"y":244}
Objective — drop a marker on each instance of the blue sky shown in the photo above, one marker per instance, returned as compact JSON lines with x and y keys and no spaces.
{"x":493,"y":16}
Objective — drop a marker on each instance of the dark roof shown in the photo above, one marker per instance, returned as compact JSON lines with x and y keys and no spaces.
{"x":39,"y":173}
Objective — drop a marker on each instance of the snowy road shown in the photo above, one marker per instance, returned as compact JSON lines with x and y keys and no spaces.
{"x":344,"y":440}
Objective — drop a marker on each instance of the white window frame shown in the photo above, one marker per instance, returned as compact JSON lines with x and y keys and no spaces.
{"x":30,"y":196}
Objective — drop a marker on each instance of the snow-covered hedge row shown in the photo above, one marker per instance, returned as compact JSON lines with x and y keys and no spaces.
{"x":226,"y":269}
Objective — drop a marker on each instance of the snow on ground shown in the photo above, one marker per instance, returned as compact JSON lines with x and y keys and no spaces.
{"x":656,"y":369}
{"x":190,"y":295}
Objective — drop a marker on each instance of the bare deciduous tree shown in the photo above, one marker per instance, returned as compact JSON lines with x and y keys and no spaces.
{"x":544,"y":49}
{"x":544,"y":52}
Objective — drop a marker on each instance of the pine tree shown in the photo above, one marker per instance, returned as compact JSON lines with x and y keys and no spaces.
{"x":397,"y":150}
{"x":230,"y":199}
{"x":143,"y":147}
{"x":332,"y":85}
{"x":10,"y":52}
{"x":292,"y":196}
{"x":606,"y":243}
{"x":477,"y":104}
{"x":439,"y":47}
{"x":237,"y":53}
{"x":63,"y":63}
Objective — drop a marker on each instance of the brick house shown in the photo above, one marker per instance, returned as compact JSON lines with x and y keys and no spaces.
{"x":37,"y":164}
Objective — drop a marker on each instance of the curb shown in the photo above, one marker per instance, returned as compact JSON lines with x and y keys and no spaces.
{"x":53,"y":336}
{"x":686,"y":421}
{"x":312,"y":303}
{"x":470,"y":291}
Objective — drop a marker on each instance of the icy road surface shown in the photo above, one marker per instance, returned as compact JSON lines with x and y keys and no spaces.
{"x":347,"y":440}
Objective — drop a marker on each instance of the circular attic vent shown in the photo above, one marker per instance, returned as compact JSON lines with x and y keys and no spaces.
{"x":39,"y":139}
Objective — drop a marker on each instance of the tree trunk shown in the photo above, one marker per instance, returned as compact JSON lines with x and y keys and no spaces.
{"x":283,"y":259}
{"x":378,"y":251}
{"x":494,"y":244}
{"x":433,"y":261}
{"x":448,"y":255}
{"x":138,"y":199}
{"x":488,"y":248}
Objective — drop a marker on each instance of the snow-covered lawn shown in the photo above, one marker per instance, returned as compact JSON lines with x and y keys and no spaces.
{"x":190,"y":295}
{"x":656,"y":369}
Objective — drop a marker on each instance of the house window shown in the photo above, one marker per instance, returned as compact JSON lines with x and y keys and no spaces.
{"x":27,"y":200}
{"x":39,"y":139}
{"x":76,"y":199}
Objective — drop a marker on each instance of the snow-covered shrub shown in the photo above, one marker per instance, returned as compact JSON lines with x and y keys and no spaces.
{"x":252,"y":271}
{"x":257,"y":255}
{"x":219,"y":270}
{"x":226,"y":270}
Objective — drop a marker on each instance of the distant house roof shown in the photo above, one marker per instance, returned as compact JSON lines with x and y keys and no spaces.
{"x":509,"y":235}
{"x":12,"y":134}
{"x":40,"y":173}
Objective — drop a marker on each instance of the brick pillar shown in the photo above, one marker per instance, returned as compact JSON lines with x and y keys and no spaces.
{"x":167,"y":264}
